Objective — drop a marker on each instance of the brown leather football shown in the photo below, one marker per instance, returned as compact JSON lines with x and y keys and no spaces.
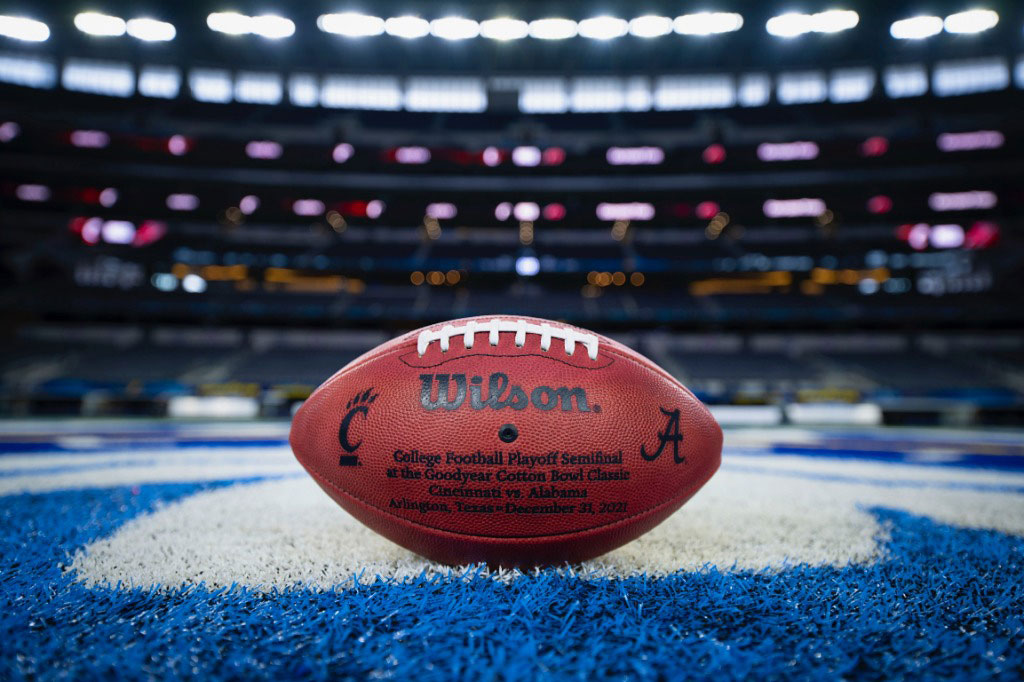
{"x":506,"y":440}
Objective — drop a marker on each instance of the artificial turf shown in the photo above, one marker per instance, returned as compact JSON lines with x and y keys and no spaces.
{"x":944,"y":603}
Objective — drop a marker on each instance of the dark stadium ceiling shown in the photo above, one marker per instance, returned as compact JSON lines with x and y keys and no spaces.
{"x":751,"y":46}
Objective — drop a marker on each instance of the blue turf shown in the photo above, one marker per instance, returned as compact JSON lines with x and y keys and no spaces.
{"x":947,"y":603}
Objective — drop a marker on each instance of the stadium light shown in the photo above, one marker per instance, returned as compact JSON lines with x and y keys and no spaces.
{"x":527,"y":211}
{"x":491,"y":156}
{"x":248,"y":204}
{"x":351,"y":24}
{"x":308,"y":207}
{"x":88,"y":228}
{"x":408,"y":27}
{"x":9,"y":130}
{"x":412,"y":155}
{"x":32,"y":192}
{"x":454,"y":28}
{"x":603,"y":28}
{"x":118,"y":231}
{"x":635,"y":156}
{"x":789,"y":25}
{"x":962,"y":201}
{"x":164,"y":281}
{"x":629,"y":211}
{"x":96,"y":24}
{"x":787,"y":151}
{"x":970,"y":141}
{"x":707,"y":23}
{"x":108,"y":197}
{"x":193,"y":283}
{"x":553,"y":29}
{"x":527,"y":156}
{"x":527,"y":266}
{"x":263,"y":149}
{"x":231,"y":23}
{"x":342,"y":152}
{"x":794,"y":24}
{"x":182,"y":202}
{"x":504,"y":28}
{"x":272,"y":26}
{"x":835,"y":20}
{"x":265,"y":25}
{"x":650,"y":26}
{"x":971,"y":21}
{"x":947,"y":236}
{"x":151,"y":30}
{"x":23,"y":28}
{"x":177,"y":145}
{"x":442,"y":210}
{"x":916,"y":28}
{"x":89,"y":139}
{"x":793,"y":208}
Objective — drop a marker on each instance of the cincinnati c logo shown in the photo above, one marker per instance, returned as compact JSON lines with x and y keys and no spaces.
{"x":358,"y":405}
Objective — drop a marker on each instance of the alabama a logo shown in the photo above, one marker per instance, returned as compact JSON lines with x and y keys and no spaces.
{"x":670,"y":436}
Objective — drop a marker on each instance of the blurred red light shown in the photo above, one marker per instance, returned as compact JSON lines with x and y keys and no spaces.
{"x":706,"y":210}
{"x":89,"y":195}
{"x":553,"y":156}
{"x":981,"y":235}
{"x":879,"y":204}
{"x":359,"y":209}
{"x":714,"y":154}
{"x":463,"y":158}
{"x":874,"y":146}
{"x":149,"y":231}
{"x":554,"y":212}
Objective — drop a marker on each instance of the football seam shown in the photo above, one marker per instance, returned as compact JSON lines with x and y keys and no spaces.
{"x":611,"y":350}
{"x":501,"y":355}
{"x":402,"y":340}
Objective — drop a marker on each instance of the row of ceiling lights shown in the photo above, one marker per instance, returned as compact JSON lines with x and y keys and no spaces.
{"x":354,"y":25}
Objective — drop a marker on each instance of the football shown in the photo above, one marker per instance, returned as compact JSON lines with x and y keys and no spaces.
{"x":506,"y":440}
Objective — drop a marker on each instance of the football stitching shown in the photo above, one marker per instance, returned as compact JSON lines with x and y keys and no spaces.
{"x":520,"y":327}
{"x":501,"y":355}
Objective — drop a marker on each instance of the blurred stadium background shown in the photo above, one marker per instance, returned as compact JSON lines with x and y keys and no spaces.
{"x":805,"y":217}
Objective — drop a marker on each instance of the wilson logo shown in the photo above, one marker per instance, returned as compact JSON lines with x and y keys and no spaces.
{"x":501,"y":393}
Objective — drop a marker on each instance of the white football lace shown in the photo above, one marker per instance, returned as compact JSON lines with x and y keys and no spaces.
{"x":497,"y":325}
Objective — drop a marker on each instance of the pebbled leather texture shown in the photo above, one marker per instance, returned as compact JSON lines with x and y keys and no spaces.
{"x":627,"y":443}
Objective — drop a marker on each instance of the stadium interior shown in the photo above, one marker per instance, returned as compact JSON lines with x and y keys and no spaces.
{"x":209,"y":215}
